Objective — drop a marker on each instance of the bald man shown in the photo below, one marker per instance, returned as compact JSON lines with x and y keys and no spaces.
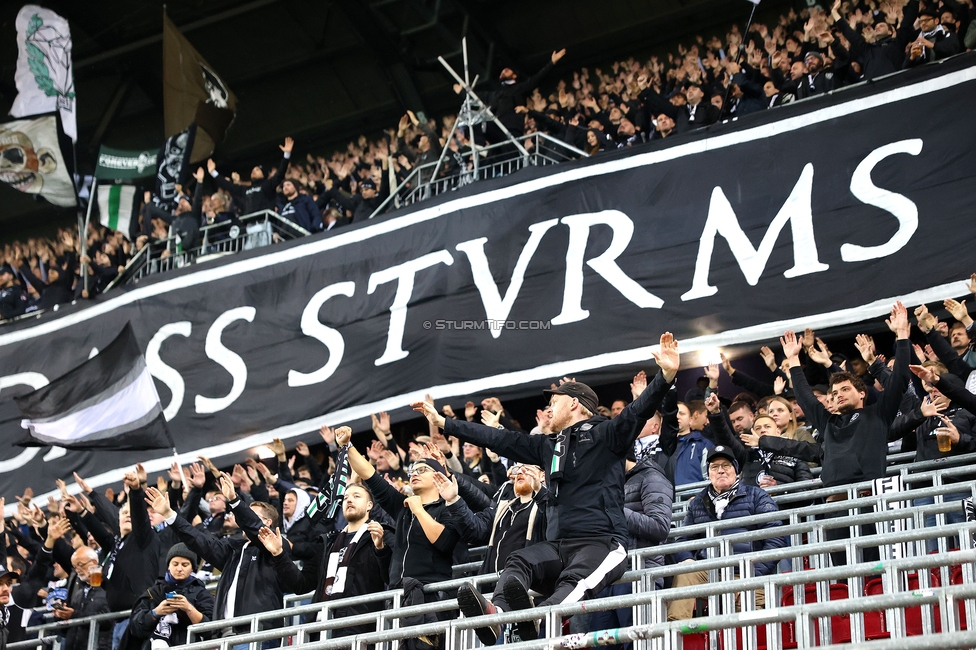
{"x":84,"y":600}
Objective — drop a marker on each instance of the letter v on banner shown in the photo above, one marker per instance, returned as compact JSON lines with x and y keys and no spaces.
{"x":496,"y":307}
{"x":722,"y":221}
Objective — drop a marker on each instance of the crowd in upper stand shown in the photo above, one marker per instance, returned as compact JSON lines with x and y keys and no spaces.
{"x":627,"y":103}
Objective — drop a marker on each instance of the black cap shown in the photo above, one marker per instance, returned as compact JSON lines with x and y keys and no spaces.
{"x":5,"y":572}
{"x":580,"y":391}
{"x":815,"y":54}
{"x":367,"y":184}
{"x":930,"y":12}
{"x":722,"y":452}
{"x":431,"y":463}
{"x":6,"y":268}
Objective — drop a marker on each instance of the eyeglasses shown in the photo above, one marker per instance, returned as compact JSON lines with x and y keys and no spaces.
{"x":420,"y":469}
{"x":725,"y":467}
{"x":215,"y":498}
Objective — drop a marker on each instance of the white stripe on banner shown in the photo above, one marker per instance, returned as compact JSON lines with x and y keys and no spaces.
{"x":127,"y":406}
{"x":392,"y":225}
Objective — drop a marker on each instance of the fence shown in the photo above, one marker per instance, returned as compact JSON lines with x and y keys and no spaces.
{"x":494,"y":161}
{"x":251,"y":231}
{"x":938,"y":586}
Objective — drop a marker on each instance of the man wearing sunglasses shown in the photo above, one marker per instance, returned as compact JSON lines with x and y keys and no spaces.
{"x":583,"y":456}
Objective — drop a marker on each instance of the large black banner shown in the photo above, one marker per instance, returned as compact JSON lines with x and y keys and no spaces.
{"x":817,"y":214}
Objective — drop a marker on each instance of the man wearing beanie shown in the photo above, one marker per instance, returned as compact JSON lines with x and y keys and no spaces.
{"x":165,"y":611}
{"x":726,"y":498}
{"x":583,"y":457}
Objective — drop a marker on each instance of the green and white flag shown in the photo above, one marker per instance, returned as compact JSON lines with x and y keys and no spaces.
{"x":44,"y":75}
{"x":116,"y":206}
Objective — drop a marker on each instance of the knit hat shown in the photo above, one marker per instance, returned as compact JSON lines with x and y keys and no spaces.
{"x":181,"y":550}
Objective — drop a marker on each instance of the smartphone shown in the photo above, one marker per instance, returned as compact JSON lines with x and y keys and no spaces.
{"x":57,"y":604}
{"x":171,"y":595}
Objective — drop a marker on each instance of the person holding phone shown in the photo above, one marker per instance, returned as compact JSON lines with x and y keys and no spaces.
{"x":162,"y":615}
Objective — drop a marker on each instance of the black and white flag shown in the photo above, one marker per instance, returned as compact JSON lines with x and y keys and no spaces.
{"x":108,"y":402}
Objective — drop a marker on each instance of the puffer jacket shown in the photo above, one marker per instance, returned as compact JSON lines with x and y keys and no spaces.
{"x":143,"y":624}
{"x":648,"y":495}
{"x":748,"y":500}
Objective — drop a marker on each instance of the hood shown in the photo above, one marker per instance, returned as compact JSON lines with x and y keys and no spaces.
{"x":303,"y":501}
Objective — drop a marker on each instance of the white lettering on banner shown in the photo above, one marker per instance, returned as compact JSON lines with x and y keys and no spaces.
{"x":328,"y":336}
{"x":604,"y":264}
{"x":230,"y":360}
{"x":496,"y":307}
{"x":723,"y":221}
{"x":900,"y":207}
{"x":404,"y":275}
{"x":35,"y":380}
{"x":165,"y":373}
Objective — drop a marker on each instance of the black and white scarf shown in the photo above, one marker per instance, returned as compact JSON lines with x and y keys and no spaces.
{"x":721,"y":499}
{"x":339,"y":559}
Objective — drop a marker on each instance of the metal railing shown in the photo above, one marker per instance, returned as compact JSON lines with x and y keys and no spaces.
{"x":493,"y":161}
{"x":250,"y":231}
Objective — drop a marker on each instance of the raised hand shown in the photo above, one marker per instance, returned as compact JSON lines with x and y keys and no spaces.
{"x":791,"y":346}
{"x":343,"y":435}
{"x":227,"y":488}
{"x":819,"y":354}
{"x":557,"y":55}
{"x":807,"y":339}
{"x":159,"y":502}
{"x":668,"y":359}
{"x":470,"y":410}
{"x":958,"y":310}
{"x":141,"y":473}
{"x":174,"y":475}
{"x":446,"y":487}
{"x":288,"y":146}
{"x":271,"y":541}
{"x":278,"y":448}
{"x":82,"y":484}
{"x":928,"y":375}
{"x":197,"y":476}
{"x":639,"y":385}
{"x":375,"y":450}
{"x":435,"y":453}
{"x":768,"y":357}
{"x":448,"y":411}
{"x":198,"y":174}
{"x":971,"y":285}
{"x":711,"y":371}
{"x":749,"y":439}
{"x":328,"y":435}
{"x":492,"y":404}
{"x":926,"y":321}
{"x":428,"y":411}
{"x":713,"y":405}
{"x":211,"y":166}
{"x":381,"y":424}
{"x":57,"y":527}
{"x":779,"y":385}
{"x":131,"y":480}
{"x":897,"y":321}
{"x":865,"y":345}
{"x":726,"y":364}
{"x":302,"y":449}
{"x":490,"y":419}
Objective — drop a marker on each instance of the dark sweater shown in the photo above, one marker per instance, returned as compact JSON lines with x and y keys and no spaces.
{"x":852,"y":447}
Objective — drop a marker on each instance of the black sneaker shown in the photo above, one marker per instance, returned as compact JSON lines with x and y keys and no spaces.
{"x":518,"y":598}
{"x":472,"y":604}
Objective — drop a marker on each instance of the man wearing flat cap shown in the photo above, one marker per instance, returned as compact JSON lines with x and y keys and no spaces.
{"x":816,"y":81}
{"x":583,"y":458}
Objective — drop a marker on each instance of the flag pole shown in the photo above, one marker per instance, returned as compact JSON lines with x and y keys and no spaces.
{"x":84,"y":234}
{"x":176,"y":456}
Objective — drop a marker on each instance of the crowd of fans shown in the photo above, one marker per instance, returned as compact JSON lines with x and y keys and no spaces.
{"x":557,"y":505}
{"x":630,"y":102}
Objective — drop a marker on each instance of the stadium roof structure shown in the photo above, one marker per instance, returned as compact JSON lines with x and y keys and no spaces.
{"x":324,"y":71}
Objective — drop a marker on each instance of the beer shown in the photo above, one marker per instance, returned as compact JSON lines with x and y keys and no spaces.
{"x":95,"y":576}
{"x":942,"y":436}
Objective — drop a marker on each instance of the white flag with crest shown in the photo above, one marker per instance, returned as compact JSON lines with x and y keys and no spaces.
{"x":44,"y":76}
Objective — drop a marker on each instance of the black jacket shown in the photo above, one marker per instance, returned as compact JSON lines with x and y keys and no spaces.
{"x":255,"y":197}
{"x":142,"y":622}
{"x":852,"y":447}
{"x":369,"y":568}
{"x":258,"y":589}
{"x":505,"y":526}
{"x":87,"y":601}
{"x":886,"y":56}
{"x":784,"y":469}
{"x":506,"y":97}
{"x":413,"y":554}
{"x":588,"y":501}
{"x":917,"y":432}
{"x":302,"y":211}
{"x":136,"y":564}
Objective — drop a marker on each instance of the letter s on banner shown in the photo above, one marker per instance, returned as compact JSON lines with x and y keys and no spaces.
{"x":35,"y":380}
{"x":231,"y":361}
{"x":164,"y":373}
{"x":329,"y":337}
{"x":899,"y":206}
